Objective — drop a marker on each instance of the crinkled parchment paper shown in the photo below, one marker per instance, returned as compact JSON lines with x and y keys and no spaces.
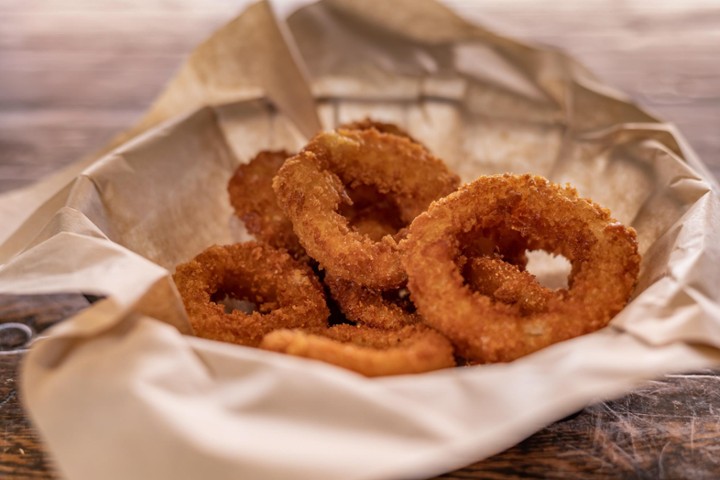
{"x":120,"y":392}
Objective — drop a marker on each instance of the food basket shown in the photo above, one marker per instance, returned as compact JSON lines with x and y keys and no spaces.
{"x":121,"y":390}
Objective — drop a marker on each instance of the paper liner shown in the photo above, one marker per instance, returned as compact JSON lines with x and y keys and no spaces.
{"x":119,"y":392}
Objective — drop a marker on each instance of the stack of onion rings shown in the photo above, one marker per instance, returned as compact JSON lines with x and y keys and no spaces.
{"x":421,"y":273}
{"x":253,"y":199}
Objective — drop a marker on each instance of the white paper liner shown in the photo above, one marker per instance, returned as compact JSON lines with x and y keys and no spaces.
{"x":118,"y":392}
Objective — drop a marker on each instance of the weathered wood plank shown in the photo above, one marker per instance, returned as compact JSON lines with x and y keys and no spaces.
{"x":66,"y":33}
{"x":666,"y":429}
{"x":21,"y":452}
{"x":50,"y":81}
{"x":36,"y":143}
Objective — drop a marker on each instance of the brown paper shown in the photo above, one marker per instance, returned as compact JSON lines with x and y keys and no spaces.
{"x":119,"y":392}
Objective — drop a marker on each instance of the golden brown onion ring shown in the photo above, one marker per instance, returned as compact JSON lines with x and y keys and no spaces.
{"x":392,"y":309}
{"x":602,"y":252}
{"x":311,"y":186}
{"x":286,"y":292}
{"x":383,"y":127}
{"x":253,"y":199}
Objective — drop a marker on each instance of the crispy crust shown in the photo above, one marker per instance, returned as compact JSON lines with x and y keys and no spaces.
{"x":254,"y":202}
{"x":602,"y":252}
{"x":368,"y":351}
{"x":506,"y":283}
{"x":311,"y":186}
{"x":367,"y":124}
{"x":391,"y":309}
{"x":286,"y":292}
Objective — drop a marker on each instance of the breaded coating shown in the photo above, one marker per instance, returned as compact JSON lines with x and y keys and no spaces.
{"x":506,"y":283}
{"x":254,"y":202}
{"x":389,"y":309}
{"x":286,"y":292}
{"x":311,"y":187}
{"x":369,"y":351}
{"x":603,"y":254}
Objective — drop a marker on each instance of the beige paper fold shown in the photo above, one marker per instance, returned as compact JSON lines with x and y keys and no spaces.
{"x":241,"y":62}
{"x":119,"y":392}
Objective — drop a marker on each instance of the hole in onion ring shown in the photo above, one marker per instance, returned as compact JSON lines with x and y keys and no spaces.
{"x":372,"y":213}
{"x":508,"y":245}
{"x":232,"y":303}
{"x":551,"y":271}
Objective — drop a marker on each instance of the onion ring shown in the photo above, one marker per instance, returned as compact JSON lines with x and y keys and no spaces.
{"x":603,"y":254}
{"x":286,"y":292}
{"x":502,"y":244}
{"x":253,"y":199}
{"x":367,"y":224}
{"x":311,"y":186}
{"x":372,"y":214}
{"x":368,"y":351}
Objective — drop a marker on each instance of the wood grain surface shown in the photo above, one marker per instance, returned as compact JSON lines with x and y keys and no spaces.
{"x":75,"y":72}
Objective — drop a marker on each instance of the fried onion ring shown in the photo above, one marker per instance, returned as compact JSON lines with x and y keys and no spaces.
{"x":253,"y":199}
{"x":603,"y":255}
{"x":286,"y":292}
{"x":368,"y":351}
{"x":311,"y":186}
{"x":502,"y":244}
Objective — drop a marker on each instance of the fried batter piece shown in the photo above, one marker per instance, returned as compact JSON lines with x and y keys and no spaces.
{"x":369,"y":351}
{"x":382,"y":127}
{"x":506,"y":283}
{"x":254,"y":202}
{"x":312,"y":186}
{"x":390,"y":309}
{"x":602,"y":252}
{"x":286,"y":292}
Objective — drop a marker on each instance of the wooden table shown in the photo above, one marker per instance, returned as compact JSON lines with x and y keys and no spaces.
{"x":75,"y":72}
